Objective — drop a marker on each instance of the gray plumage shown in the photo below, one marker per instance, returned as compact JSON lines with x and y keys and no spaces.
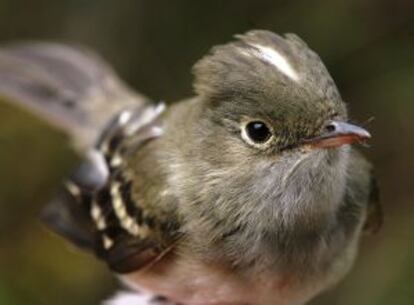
{"x":72,"y":88}
{"x":250,"y":185}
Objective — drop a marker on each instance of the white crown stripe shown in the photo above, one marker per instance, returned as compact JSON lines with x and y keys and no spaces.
{"x":273,"y":57}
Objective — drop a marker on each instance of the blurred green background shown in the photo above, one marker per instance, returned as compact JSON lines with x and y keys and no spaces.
{"x":368,"y":46}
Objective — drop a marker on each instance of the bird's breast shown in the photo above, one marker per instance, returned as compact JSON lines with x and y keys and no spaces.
{"x":193,"y":282}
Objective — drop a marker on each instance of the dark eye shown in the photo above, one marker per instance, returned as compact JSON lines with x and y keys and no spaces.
{"x":258,"y":132}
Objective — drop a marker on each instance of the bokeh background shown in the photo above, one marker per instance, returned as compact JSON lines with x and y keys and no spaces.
{"x":368,"y":45}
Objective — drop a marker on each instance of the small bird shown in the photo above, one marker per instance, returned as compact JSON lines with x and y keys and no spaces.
{"x":247,"y":193}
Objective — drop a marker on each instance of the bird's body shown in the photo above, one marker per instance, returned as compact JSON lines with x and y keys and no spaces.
{"x":247,"y":193}
{"x":241,"y":263}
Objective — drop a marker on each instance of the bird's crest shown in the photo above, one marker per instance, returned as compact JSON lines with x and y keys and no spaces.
{"x":259,"y":59}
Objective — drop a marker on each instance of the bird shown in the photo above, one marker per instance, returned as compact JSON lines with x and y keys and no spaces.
{"x":250,"y":192}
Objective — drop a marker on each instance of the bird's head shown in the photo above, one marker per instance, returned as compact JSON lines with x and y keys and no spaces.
{"x":275,"y":94}
{"x":271,"y":134}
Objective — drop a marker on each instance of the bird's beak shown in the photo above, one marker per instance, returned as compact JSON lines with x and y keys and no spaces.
{"x":338,"y":133}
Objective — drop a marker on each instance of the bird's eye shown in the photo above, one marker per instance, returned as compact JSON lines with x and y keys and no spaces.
{"x":257,"y":132}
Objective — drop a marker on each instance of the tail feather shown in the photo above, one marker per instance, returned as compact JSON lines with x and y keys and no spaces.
{"x":71,"y":88}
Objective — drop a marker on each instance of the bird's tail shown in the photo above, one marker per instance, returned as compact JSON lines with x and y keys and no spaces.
{"x":71,"y":88}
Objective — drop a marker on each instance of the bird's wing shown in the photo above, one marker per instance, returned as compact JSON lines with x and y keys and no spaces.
{"x":374,"y":219}
{"x":78,"y":93}
{"x":95,"y":208}
{"x":71,"y":88}
{"x":362,"y":195}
